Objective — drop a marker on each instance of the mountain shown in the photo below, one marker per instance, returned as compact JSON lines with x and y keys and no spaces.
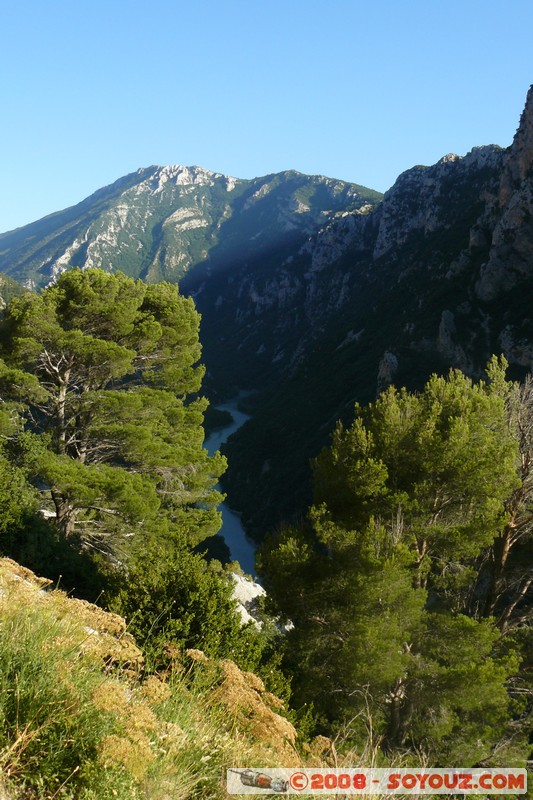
{"x":160,"y":222}
{"x":273,"y":312}
{"x":316,"y":293}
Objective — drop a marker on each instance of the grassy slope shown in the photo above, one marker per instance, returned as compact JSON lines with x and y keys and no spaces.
{"x":79,"y":718}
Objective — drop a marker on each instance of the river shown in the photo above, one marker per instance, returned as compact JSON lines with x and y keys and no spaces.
{"x":242,"y":548}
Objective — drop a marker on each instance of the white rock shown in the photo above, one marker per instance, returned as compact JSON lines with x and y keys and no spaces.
{"x":246,"y":592}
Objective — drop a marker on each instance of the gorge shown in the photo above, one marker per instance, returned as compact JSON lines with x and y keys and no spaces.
{"x":315,"y":293}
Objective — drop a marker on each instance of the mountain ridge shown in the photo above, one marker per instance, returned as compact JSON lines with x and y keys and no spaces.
{"x":149,"y":223}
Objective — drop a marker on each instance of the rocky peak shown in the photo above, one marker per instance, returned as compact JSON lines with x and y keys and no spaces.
{"x":421,"y":199}
{"x":187,"y":176}
{"x":510,"y":216}
{"x":520,"y":155}
{"x":163,"y":221}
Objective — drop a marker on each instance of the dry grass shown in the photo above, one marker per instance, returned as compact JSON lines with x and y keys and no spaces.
{"x":78,"y":723}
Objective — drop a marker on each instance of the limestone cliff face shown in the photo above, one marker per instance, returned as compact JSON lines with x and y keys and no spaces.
{"x":520,"y":156}
{"x":422,"y":233}
{"x":510,"y":260}
{"x":421,"y":200}
{"x":438,"y":275}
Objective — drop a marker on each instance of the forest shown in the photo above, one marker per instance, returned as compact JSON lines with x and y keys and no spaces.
{"x":403,"y":593}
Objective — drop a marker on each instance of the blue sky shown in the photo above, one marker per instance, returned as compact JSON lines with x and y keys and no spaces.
{"x":92,"y":90}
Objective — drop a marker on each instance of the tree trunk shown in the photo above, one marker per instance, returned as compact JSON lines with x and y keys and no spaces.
{"x":65,"y":515}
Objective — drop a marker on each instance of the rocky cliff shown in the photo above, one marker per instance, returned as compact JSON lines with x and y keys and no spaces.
{"x":509,"y":217}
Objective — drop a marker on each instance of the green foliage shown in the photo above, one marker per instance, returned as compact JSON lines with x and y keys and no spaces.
{"x":36,"y":543}
{"x":103,"y":369}
{"x":16,"y":496}
{"x":172,"y":598}
{"x":100,"y":383}
{"x":171,"y":595}
{"x":506,"y":575}
{"x":379,"y":581}
{"x":461,"y":703}
{"x":9,"y":288}
{"x":423,"y":466}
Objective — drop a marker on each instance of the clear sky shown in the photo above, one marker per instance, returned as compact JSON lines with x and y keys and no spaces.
{"x":91,"y":90}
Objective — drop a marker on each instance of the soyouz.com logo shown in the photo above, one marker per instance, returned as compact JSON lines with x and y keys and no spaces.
{"x":350,"y":781}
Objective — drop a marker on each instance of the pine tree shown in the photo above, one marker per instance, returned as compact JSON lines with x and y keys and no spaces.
{"x":434,"y":469}
{"x":106,"y":370}
{"x":507,"y":572}
{"x":379,"y":581}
